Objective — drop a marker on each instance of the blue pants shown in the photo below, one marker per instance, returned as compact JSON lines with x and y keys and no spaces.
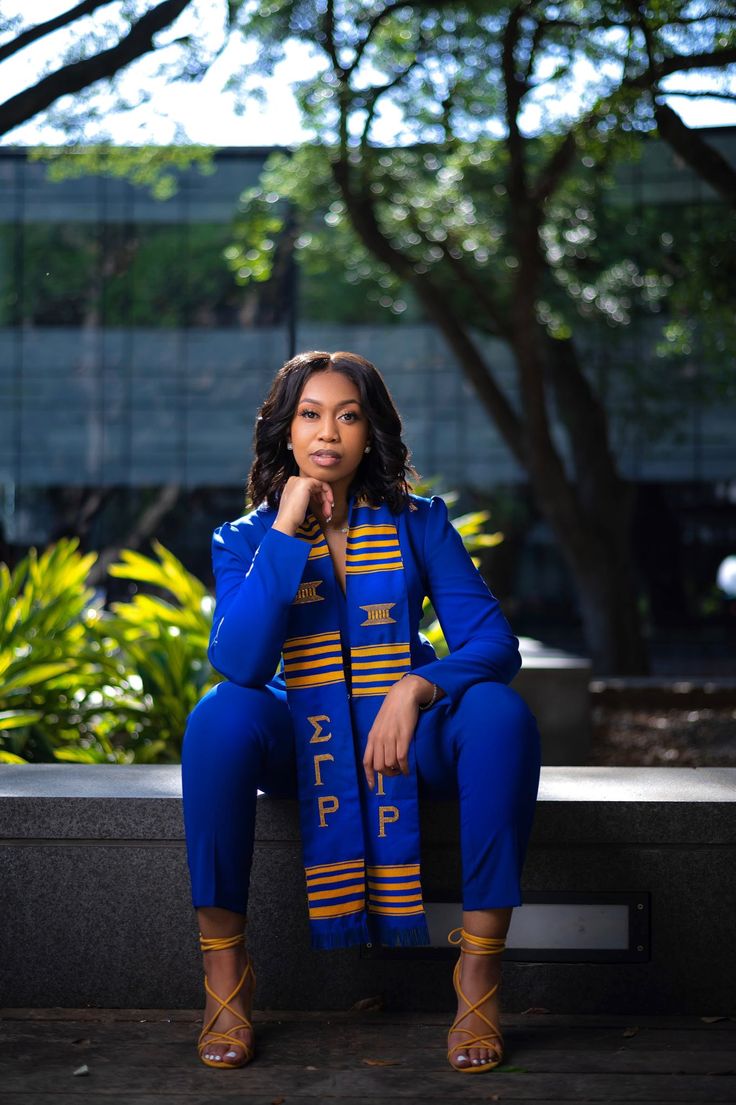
{"x":485,"y":752}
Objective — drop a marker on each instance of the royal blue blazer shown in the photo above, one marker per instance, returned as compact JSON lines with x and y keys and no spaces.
{"x":258,"y":571}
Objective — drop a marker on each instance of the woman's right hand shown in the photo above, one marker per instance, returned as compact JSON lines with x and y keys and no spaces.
{"x":301,"y":493}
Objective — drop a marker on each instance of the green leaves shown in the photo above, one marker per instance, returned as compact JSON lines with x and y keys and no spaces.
{"x":495,"y":107}
{"x":152,"y":167}
{"x":44,"y":651}
{"x":81,"y":684}
{"x":14,"y":719}
{"x":470,"y":527}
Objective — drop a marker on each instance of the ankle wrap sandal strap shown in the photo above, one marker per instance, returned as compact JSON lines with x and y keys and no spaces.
{"x":217,"y":943}
{"x":477,"y":945}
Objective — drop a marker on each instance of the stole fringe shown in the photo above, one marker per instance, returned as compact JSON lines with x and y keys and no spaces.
{"x":395,"y":935}
{"x":340,"y":932}
{"x":349,"y":932}
{"x":408,"y":938}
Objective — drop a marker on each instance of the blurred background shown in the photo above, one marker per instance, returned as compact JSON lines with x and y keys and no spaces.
{"x":522,"y":214}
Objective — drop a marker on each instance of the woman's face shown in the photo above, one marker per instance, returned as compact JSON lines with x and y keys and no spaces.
{"x":329,"y":418}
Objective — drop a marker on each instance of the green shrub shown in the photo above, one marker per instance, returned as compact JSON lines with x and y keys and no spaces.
{"x":48,"y":665}
{"x":85,"y":685}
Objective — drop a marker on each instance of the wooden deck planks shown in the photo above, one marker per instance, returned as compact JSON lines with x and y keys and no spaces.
{"x":148,"y":1057}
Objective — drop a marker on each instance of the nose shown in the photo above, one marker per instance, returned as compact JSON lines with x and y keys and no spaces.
{"x":328,"y":432}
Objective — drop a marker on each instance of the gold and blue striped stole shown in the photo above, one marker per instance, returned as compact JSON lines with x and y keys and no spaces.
{"x":360,"y":847}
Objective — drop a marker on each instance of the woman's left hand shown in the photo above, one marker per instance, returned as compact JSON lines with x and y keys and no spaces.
{"x":392,"y":731}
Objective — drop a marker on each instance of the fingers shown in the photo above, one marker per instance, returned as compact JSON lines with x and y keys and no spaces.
{"x":323,"y":498}
{"x":370,"y":777}
{"x":402,"y":758}
{"x":375,"y":761}
{"x":389,"y":740}
{"x":303,"y":493}
{"x":388,"y":758}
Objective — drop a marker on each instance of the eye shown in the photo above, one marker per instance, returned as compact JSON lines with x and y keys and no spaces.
{"x":352,"y":415}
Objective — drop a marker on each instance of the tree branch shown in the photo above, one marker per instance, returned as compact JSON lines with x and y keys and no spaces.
{"x":25,"y":38}
{"x":373,"y":95}
{"x":469,"y":280}
{"x":81,"y":74}
{"x":514,"y":91}
{"x":698,"y":94}
{"x":703,"y":158}
{"x":681,"y":63}
{"x":327,"y":36}
{"x":557,"y":165}
{"x":373,"y":26}
{"x":536,"y":40}
{"x":363,"y":218}
{"x":477,"y":289}
{"x":585,"y":419}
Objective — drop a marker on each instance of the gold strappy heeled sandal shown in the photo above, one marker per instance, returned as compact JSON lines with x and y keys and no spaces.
{"x":215,"y":943}
{"x":480,"y":945}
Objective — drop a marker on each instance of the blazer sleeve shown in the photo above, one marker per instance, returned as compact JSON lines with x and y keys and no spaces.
{"x":256,"y":578}
{"x":482,"y":646}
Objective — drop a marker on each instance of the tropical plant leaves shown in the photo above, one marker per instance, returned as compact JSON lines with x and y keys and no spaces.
{"x":85,"y":685}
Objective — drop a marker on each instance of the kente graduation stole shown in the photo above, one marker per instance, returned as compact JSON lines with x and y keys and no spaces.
{"x":360,"y":847}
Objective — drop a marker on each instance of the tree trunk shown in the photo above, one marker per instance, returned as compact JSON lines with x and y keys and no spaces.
{"x":588,"y":507}
{"x":608,"y":605}
{"x":599,"y":555}
{"x":596,"y":540}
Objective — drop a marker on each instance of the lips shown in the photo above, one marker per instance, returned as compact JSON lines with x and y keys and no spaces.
{"x":326,"y":453}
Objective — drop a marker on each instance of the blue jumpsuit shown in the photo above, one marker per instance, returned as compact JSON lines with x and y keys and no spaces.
{"x":479,"y":743}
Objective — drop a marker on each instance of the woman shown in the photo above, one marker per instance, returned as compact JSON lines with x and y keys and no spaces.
{"x":327,"y":576}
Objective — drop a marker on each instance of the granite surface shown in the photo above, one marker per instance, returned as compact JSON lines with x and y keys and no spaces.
{"x":97,"y":908}
{"x":143,"y":802}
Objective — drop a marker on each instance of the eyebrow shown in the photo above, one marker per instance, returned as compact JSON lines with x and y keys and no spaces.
{"x":342,"y":403}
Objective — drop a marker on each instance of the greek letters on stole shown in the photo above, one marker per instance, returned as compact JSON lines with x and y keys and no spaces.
{"x":360,"y":847}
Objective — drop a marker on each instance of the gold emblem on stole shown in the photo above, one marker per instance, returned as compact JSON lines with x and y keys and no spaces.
{"x":378,"y":613}
{"x":307,"y":592}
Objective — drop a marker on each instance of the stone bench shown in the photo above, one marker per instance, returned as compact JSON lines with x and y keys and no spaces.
{"x":628,"y":898}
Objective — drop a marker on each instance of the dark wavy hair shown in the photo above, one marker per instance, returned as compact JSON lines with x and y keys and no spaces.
{"x":382,"y":473}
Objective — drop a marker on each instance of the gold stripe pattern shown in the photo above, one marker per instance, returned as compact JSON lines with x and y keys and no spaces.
{"x":395,"y":890}
{"x":375,"y":668}
{"x":313,"y":660}
{"x":326,"y":898}
{"x":312,"y":533}
{"x":372,"y":549}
